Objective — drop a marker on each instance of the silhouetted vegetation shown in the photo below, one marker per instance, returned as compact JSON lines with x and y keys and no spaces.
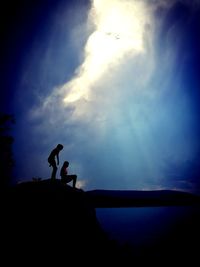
{"x":6,"y":155}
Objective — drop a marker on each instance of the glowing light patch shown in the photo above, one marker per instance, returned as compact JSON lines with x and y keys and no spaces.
{"x":81,"y":184}
{"x":119,"y":29}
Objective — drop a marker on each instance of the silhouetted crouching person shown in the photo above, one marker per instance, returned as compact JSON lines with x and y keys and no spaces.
{"x":52,"y":160}
{"x":65,"y":177}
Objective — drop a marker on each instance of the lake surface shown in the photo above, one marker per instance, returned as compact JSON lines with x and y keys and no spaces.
{"x":144,"y":226}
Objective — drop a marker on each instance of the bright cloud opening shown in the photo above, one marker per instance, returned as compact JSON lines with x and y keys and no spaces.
{"x":119,"y":29}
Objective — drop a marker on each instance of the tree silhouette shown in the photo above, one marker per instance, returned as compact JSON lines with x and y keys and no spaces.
{"x":6,"y":155}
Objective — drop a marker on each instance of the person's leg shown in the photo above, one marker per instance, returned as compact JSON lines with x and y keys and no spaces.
{"x":68,"y":178}
{"x":53,"y":175}
{"x":74,"y":180}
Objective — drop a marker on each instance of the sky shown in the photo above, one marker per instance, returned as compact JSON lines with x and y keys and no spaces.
{"x":116,"y":82}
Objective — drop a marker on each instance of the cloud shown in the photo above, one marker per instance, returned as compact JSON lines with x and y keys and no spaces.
{"x":118,"y":30}
{"x":118,"y":33}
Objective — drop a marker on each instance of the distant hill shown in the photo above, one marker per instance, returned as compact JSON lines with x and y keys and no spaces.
{"x":137,"y":198}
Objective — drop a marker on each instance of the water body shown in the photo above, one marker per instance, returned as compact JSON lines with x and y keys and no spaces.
{"x":145,"y":226}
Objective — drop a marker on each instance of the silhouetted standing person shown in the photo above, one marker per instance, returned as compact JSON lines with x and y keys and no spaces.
{"x":54,"y":155}
{"x":65,"y":177}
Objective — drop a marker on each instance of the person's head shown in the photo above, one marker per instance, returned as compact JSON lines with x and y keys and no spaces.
{"x":59,"y":147}
{"x":66,"y":163}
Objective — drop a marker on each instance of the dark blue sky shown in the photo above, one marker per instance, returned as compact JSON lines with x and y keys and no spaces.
{"x":117,"y":84}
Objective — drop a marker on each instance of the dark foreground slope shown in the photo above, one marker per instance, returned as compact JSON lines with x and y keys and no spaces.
{"x":47,"y":222}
